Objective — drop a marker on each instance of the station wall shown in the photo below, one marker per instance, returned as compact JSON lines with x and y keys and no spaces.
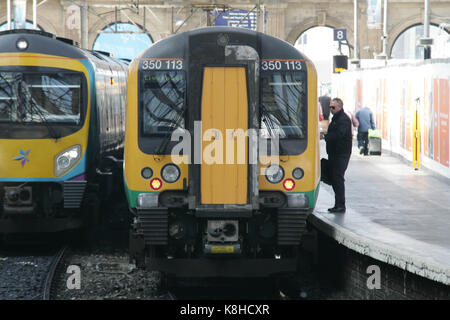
{"x":397,"y":94}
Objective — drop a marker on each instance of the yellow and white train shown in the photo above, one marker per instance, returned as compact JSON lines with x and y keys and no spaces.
{"x":210,"y":195}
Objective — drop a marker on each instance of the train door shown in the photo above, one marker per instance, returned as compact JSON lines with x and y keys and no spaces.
{"x":224,"y":112}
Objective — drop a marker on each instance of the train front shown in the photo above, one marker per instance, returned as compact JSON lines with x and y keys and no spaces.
{"x":43,"y":132}
{"x":221,"y":154}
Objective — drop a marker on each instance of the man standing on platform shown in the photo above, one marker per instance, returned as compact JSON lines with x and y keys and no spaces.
{"x":339,"y":149}
{"x":365,"y":119}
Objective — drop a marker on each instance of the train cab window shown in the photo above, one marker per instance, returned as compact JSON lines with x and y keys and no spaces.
{"x":283,"y":105}
{"x":40,"y":98}
{"x":163,"y":101}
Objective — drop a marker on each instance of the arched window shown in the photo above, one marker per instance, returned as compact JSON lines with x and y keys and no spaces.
{"x":405,"y":46}
{"x":122,"y":40}
{"x":318,"y":45}
{"x":29,"y":25}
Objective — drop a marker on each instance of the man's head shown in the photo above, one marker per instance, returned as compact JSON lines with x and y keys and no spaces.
{"x":336,"y":105}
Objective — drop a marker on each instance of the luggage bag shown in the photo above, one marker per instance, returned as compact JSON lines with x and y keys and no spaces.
{"x":374,"y":146}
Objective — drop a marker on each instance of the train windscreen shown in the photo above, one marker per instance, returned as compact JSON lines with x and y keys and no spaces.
{"x":283,"y":105}
{"x":40,"y":97}
{"x":163,"y":101}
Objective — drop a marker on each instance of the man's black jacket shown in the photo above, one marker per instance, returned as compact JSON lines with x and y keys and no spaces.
{"x":339,"y":136}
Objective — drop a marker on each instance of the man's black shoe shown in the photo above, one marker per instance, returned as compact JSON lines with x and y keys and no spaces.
{"x":337,"y":210}
{"x":330,"y":209}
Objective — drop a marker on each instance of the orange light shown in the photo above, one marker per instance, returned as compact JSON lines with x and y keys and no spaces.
{"x":289,"y":184}
{"x":156,"y":184}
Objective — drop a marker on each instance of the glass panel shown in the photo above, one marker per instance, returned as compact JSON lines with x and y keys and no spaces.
{"x":163,"y":95}
{"x":40,"y":98}
{"x":123,"y":40}
{"x":283,"y":107}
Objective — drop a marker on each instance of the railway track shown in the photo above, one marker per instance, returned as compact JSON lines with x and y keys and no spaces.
{"x":49,"y":286}
{"x":29,"y":275}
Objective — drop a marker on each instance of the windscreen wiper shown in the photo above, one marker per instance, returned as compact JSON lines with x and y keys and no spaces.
{"x":270,"y":126}
{"x":33,"y":106}
{"x":168,"y":135}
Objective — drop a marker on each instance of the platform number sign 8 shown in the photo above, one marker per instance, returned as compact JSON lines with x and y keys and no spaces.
{"x":340,"y":34}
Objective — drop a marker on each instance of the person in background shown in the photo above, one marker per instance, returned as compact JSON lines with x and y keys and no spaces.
{"x":339,"y":148}
{"x":325,"y":104}
{"x":365,"y":119}
{"x":324,"y":114}
{"x":355,"y":122}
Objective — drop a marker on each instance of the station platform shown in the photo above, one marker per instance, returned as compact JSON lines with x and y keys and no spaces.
{"x":395,"y":214}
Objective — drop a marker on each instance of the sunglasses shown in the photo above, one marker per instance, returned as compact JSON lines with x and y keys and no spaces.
{"x":333,"y":108}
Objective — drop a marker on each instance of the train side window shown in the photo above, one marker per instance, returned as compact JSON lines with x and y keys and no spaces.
{"x":163,"y":101}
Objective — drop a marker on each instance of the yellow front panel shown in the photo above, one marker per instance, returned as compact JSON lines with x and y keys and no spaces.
{"x":40,"y":152}
{"x":134,"y":159}
{"x":224,"y":107}
{"x":309,"y":160}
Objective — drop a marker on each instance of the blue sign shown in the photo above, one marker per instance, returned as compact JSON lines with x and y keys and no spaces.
{"x":339,"y":34}
{"x":236,"y":18}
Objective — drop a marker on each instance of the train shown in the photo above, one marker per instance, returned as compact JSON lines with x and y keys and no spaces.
{"x":62,"y":122}
{"x":221,"y":158}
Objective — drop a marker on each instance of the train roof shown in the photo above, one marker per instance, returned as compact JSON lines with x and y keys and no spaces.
{"x":47,"y":43}
{"x":39,"y":42}
{"x":268,"y":47}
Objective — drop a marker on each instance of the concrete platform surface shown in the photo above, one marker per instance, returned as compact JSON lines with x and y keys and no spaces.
{"x":395,"y":214}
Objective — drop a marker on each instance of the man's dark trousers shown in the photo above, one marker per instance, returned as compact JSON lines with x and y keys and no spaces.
{"x":338,"y":164}
{"x":363,"y":141}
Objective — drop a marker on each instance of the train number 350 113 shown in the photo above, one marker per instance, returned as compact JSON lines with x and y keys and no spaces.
{"x":156,"y":64}
{"x":271,"y":65}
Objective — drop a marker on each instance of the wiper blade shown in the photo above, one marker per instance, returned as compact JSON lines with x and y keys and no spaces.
{"x":168,"y":135}
{"x":33,"y":106}
{"x":270,"y":127}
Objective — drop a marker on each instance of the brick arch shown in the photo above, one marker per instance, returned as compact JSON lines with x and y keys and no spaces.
{"x":309,"y":23}
{"x":405,"y":24}
{"x":99,"y":25}
{"x":400,"y":27}
{"x":46,"y":25}
{"x":43,"y":23}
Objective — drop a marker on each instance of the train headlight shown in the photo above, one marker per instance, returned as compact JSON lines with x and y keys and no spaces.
{"x":67,"y":159}
{"x":146,"y":173}
{"x":298,"y":173}
{"x":22,"y":44}
{"x":274,"y":173}
{"x":170,"y":173}
{"x":63,"y":162}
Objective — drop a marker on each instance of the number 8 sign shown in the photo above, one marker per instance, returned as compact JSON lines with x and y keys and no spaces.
{"x":339,"y":34}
